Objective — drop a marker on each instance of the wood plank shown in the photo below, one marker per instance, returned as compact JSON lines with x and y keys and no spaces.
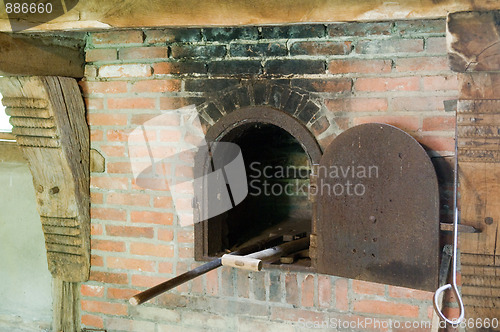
{"x":475,"y":41}
{"x":484,"y":302}
{"x":92,"y":14}
{"x":479,"y":85}
{"x":480,"y":291}
{"x":484,"y":271}
{"x":468,"y":259}
{"x":479,"y":199}
{"x":472,"y":280}
{"x":65,"y":305}
{"x":52,"y":59}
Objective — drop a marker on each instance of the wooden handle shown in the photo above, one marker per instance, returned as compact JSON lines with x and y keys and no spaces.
{"x":185,"y":277}
{"x":167,"y":285}
{"x":242,"y":262}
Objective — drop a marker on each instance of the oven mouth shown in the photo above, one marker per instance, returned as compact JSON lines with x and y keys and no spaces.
{"x":277,"y":164}
{"x":277,"y":170}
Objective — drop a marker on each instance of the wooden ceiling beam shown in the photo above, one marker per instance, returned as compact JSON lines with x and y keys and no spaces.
{"x":41,"y":55}
{"x":98,"y":14}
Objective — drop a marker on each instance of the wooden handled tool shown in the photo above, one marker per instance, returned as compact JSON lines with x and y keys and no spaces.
{"x":253,"y":262}
{"x":274,"y":252}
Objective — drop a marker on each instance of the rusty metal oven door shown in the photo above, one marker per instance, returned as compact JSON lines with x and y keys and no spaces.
{"x":377,"y":209}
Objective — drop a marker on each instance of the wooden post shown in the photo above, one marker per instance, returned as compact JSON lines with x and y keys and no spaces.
{"x":474,"y":52}
{"x":48,"y":118}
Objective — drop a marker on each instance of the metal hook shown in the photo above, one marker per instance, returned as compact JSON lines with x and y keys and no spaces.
{"x":453,"y":284}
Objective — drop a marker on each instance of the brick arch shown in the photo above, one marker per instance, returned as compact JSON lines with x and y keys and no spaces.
{"x":300,"y":104}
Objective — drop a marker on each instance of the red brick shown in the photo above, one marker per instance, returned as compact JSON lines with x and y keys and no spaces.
{"x":320,"y":48}
{"x":92,"y":291}
{"x":197,"y":285}
{"x":370,"y":288}
{"x":307,"y":298}
{"x":94,"y":103}
{"x":171,"y":103}
{"x":165,"y":235}
{"x":359,"y":66}
{"x":92,"y":321}
{"x":96,"y":198}
{"x":163,"y":202}
{"x":212,"y":282}
{"x":104,"y":87}
{"x":104,"y":119}
{"x":157,"y":184}
{"x":437,"y":143}
{"x":294,"y":314}
{"x":292,"y":290}
{"x":142,"y":150}
{"x":407,"y":293}
{"x":381,"y":46}
{"x":422,"y":64}
{"x":128,"y":199}
{"x":108,"y":214}
{"x":113,"y":150}
{"x":324,"y":291}
{"x":125,"y":70}
{"x":439,"y":123}
{"x":170,"y":135}
{"x":132,"y":53}
{"x":451,"y":313}
{"x":106,"y":245}
{"x":130,"y":264}
{"x":180,"y":268}
{"x":357,"y":105}
{"x":121,"y":293}
{"x":437,"y":83}
{"x":146,"y":281}
{"x":156,"y":86}
{"x":159,"y":119}
{"x":427,"y":103}
{"x":107,"y":182}
{"x":436,"y":45}
{"x":407,"y":123}
{"x":165,"y":267}
{"x":104,"y":307}
{"x":90,"y":71}
{"x":119,"y":168}
{"x":185,"y":236}
{"x":341,"y":295}
{"x":95,"y":229}
{"x":159,"y":36}
{"x":186,"y":252}
{"x":131,"y":103}
{"x":386,"y":308}
{"x":117,"y":135}
{"x":150,"y":249}
{"x":100,"y":54}
{"x":96,"y":135}
{"x":108,"y":277}
{"x":118,"y":37}
{"x":177,"y":68}
{"x":150,"y":217}
{"x":387,"y":84}
{"x":96,"y":260}
{"x":128,"y":231}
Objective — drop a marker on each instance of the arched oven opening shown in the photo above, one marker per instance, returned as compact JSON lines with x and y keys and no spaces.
{"x":278,"y":152}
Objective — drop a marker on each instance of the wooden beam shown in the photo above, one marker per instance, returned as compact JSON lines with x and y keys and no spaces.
{"x":92,"y":14}
{"x":48,"y":116}
{"x":41,"y":55}
{"x":474,"y":41}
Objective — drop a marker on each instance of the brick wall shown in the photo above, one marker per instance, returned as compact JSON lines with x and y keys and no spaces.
{"x":392,"y":72}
